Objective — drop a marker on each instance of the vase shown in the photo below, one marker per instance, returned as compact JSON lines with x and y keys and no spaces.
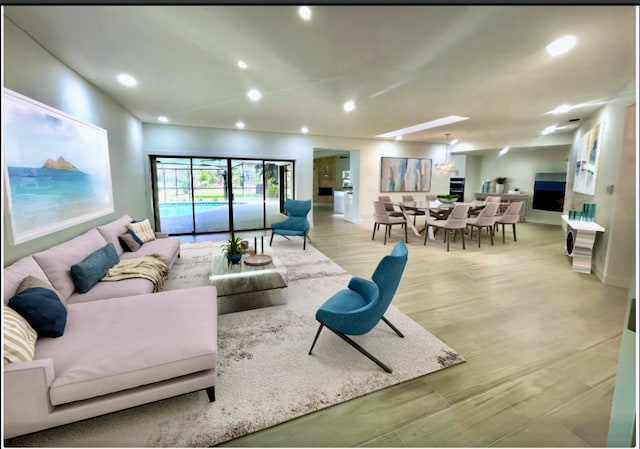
{"x":499,"y":188}
{"x":234,"y":258}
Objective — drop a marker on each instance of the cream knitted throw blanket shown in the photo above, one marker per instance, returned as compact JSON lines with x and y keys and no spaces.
{"x":152,"y":267}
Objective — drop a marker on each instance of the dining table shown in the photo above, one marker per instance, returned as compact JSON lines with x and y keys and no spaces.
{"x":439,"y":208}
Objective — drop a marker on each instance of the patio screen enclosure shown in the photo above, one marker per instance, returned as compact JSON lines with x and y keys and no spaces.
{"x":195,"y":195}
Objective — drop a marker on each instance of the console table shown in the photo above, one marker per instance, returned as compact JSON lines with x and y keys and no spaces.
{"x":580,"y":237}
{"x":508,"y":197}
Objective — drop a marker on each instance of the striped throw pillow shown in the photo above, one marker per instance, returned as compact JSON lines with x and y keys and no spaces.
{"x":19,"y":338}
{"x":143,"y":230}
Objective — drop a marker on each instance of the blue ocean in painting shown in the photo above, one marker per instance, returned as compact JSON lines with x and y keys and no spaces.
{"x":42,"y":196}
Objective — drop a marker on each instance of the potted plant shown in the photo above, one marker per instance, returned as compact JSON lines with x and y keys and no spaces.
{"x":500,"y":182}
{"x":448,"y":198}
{"x":233,"y":249}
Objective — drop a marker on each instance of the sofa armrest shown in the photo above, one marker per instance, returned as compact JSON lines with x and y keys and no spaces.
{"x":26,"y":395}
{"x":162,"y":235}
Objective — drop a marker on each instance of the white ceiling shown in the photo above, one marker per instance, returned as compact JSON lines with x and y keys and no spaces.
{"x":403,"y":65}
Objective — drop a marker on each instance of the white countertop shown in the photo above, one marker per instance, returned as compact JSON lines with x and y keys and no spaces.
{"x":583,"y":225}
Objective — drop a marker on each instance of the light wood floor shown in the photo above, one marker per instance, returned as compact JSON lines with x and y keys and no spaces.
{"x":541,"y":344}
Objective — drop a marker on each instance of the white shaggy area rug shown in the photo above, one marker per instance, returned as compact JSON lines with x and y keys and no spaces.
{"x":265,"y":375}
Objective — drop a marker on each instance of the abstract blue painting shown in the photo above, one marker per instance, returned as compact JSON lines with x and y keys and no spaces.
{"x":401,"y":174}
{"x":56,"y":168}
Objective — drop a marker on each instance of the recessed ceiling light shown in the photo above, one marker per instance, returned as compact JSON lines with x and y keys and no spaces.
{"x":127,"y":80}
{"x":304,"y":130}
{"x":549,"y":130}
{"x":239,"y":124}
{"x":398,"y":137}
{"x":454,"y":141}
{"x":426,"y":125}
{"x":562,"y":109}
{"x":562,"y":45}
{"x":504,"y":151}
{"x":163,"y":119}
{"x":305,"y":12}
{"x":254,"y":95}
{"x":349,"y":106}
{"x":243,"y":65}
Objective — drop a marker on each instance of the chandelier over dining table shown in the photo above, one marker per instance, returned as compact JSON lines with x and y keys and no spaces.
{"x":447,"y":166}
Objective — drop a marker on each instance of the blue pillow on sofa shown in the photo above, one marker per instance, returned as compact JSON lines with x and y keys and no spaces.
{"x":88,"y":273}
{"x":130,"y":241}
{"x":42,"y":309}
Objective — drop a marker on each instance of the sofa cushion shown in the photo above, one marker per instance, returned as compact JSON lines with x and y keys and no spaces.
{"x":167,"y":248}
{"x":88,"y":273}
{"x":143,"y":230}
{"x":111,"y":231}
{"x":15,"y":273}
{"x":130,"y":241}
{"x":107,"y":290}
{"x":18,"y":337}
{"x":32,"y":281}
{"x":175,"y":334}
{"x":42,"y":309}
{"x":57,"y":260}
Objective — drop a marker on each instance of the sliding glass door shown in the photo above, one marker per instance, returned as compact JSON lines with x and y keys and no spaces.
{"x":197,"y":195}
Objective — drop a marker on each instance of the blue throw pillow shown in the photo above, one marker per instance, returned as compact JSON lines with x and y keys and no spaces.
{"x":130,"y":241}
{"x":42,"y":309}
{"x":88,"y":273}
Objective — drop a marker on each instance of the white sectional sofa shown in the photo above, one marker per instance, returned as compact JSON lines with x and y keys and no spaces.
{"x":122,"y":345}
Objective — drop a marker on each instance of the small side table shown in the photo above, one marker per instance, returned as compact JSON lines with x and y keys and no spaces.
{"x":580,"y":237}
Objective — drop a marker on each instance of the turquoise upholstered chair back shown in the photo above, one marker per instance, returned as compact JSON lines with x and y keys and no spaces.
{"x":387,"y":276}
{"x":296,"y":223}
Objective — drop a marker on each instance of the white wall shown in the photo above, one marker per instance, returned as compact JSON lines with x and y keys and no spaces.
{"x":193,"y":141}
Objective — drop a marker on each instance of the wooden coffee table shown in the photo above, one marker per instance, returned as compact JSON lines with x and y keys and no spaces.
{"x":243,"y":286}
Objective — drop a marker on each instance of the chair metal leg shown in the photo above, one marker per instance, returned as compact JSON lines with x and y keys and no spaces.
{"x":503,"y":233}
{"x":514,"y":232}
{"x":463,"y":245}
{"x":375,"y":225}
{"x":316,"y":339}
{"x":387,"y":230}
{"x":393,"y":327}
{"x":271,"y":241}
{"x":361,"y":350}
{"x":304,"y":241}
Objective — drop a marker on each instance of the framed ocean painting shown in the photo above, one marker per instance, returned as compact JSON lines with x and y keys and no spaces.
{"x":56,"y":168}
{"x":402,"y":174}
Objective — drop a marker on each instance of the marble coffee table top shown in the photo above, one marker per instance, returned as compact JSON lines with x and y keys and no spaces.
{"x":242,"y":278}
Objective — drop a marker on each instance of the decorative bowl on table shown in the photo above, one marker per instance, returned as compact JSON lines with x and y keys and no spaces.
{"x":448,"y":200}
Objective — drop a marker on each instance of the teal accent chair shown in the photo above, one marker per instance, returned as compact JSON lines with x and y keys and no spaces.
{"x":357,"y":309}
{"x":296,"y":223}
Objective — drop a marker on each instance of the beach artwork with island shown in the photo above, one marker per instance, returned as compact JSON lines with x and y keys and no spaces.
{"x":57,"y":168}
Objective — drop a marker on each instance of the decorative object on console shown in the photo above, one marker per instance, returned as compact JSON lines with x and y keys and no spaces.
{"x":401,"y":174}
{"x":447,"y":166}
{"x":500,"y":182}
{"x":48,"y":191}
{"x":233,"y":249}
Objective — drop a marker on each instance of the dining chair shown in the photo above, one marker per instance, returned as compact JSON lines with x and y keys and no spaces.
{"x":486,"y":219}
{"x":438,"y":214}
{"x":380,"y":216}
{"x":359,"y":308}
{"x":510,"y":216}
{"x":391,"y":210}
{"x":456,"y":221}
{"x":414,"y":213}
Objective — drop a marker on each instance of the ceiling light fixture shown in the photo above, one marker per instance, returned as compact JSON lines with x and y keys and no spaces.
{"x":304,"y":130}
{"x":447,"y":166}
{"x":243,"y":65}
{"x":426,"y":125}
{"x":504,"y":151}
{"x":305,"y":12}
{"x":398,"y":137}
{"x":349,"y":106}
{"x":163,"y":119}
{"x":239,"y":124}
{"x":549,"y":129}
{"x":562,"y":45}
{"x":563,"y":108}
{"x":127,"y":80}
{"x":254,"y":95}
